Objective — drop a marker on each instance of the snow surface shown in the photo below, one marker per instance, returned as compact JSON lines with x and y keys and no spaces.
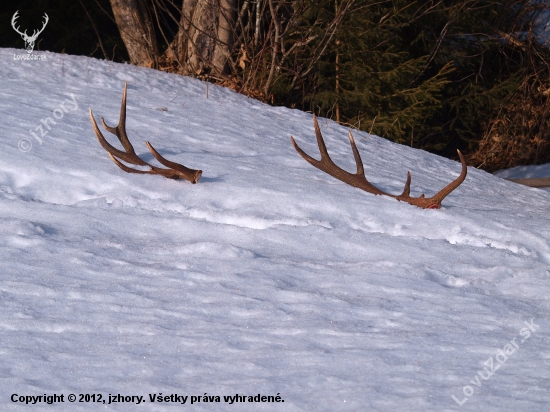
{"x":523,"y":172}
{"x":520,"y":172}
{"x":268,"y":276}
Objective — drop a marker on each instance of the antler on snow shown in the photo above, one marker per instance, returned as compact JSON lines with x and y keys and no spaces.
{"x":174,"y":171}
{"x":359,"y":180}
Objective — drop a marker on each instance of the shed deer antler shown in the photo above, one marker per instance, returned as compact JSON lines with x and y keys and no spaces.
{"x":175,"y":170}
{"x":359,"y":180}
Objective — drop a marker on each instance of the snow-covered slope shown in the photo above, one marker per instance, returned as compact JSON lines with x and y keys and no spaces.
{"x":267,"y":277}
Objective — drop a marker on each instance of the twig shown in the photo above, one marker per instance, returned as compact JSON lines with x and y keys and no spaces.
{"x":95,"y":29}
{"x":275,"y":47}
{"x":372,"y":125}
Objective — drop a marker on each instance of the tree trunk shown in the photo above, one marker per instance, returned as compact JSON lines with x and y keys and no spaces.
{"x":203,"y":43}
{"x":136,"y":29}
{"x":205,"y":36}
{"x":226,"y":25}
{"x":202,"y":34}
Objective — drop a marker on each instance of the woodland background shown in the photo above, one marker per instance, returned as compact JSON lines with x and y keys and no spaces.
{"x":436,"y":75}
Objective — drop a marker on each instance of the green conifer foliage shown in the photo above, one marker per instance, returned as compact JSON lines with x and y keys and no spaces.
{"x":429,"y":74}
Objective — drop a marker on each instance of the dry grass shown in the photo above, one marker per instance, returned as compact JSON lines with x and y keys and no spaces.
{"x":519,"y":131}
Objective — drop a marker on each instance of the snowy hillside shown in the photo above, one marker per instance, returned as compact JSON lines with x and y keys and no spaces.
{"x":268,"y":276}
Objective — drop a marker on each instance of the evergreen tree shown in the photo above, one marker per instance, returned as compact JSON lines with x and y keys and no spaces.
{"x":429,"y":74}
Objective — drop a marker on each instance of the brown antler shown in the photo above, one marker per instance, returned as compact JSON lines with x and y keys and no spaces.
{"x":359,"y":180}
{"x":175,"y":170}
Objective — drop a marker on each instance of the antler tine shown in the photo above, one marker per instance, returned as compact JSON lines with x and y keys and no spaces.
{"x":129,"y":169}
{"x":171,"y":174}
{"x":321,"y":142}
{"x":129,"y":156}
{"x":175,"y":170}
{"x":189,"y":174}
{"x":359,"y":180}
{"x":356,"y":155}
{"x":326,"y":164}
{"x":120,"y":129}
{"x":443,"y":193}
{"x":407,"y":189}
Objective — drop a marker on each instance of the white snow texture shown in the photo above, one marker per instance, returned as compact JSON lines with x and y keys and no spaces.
{"x":268,"y":276}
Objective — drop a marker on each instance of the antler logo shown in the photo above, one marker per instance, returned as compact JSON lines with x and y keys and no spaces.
{"x":29,"y":40}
